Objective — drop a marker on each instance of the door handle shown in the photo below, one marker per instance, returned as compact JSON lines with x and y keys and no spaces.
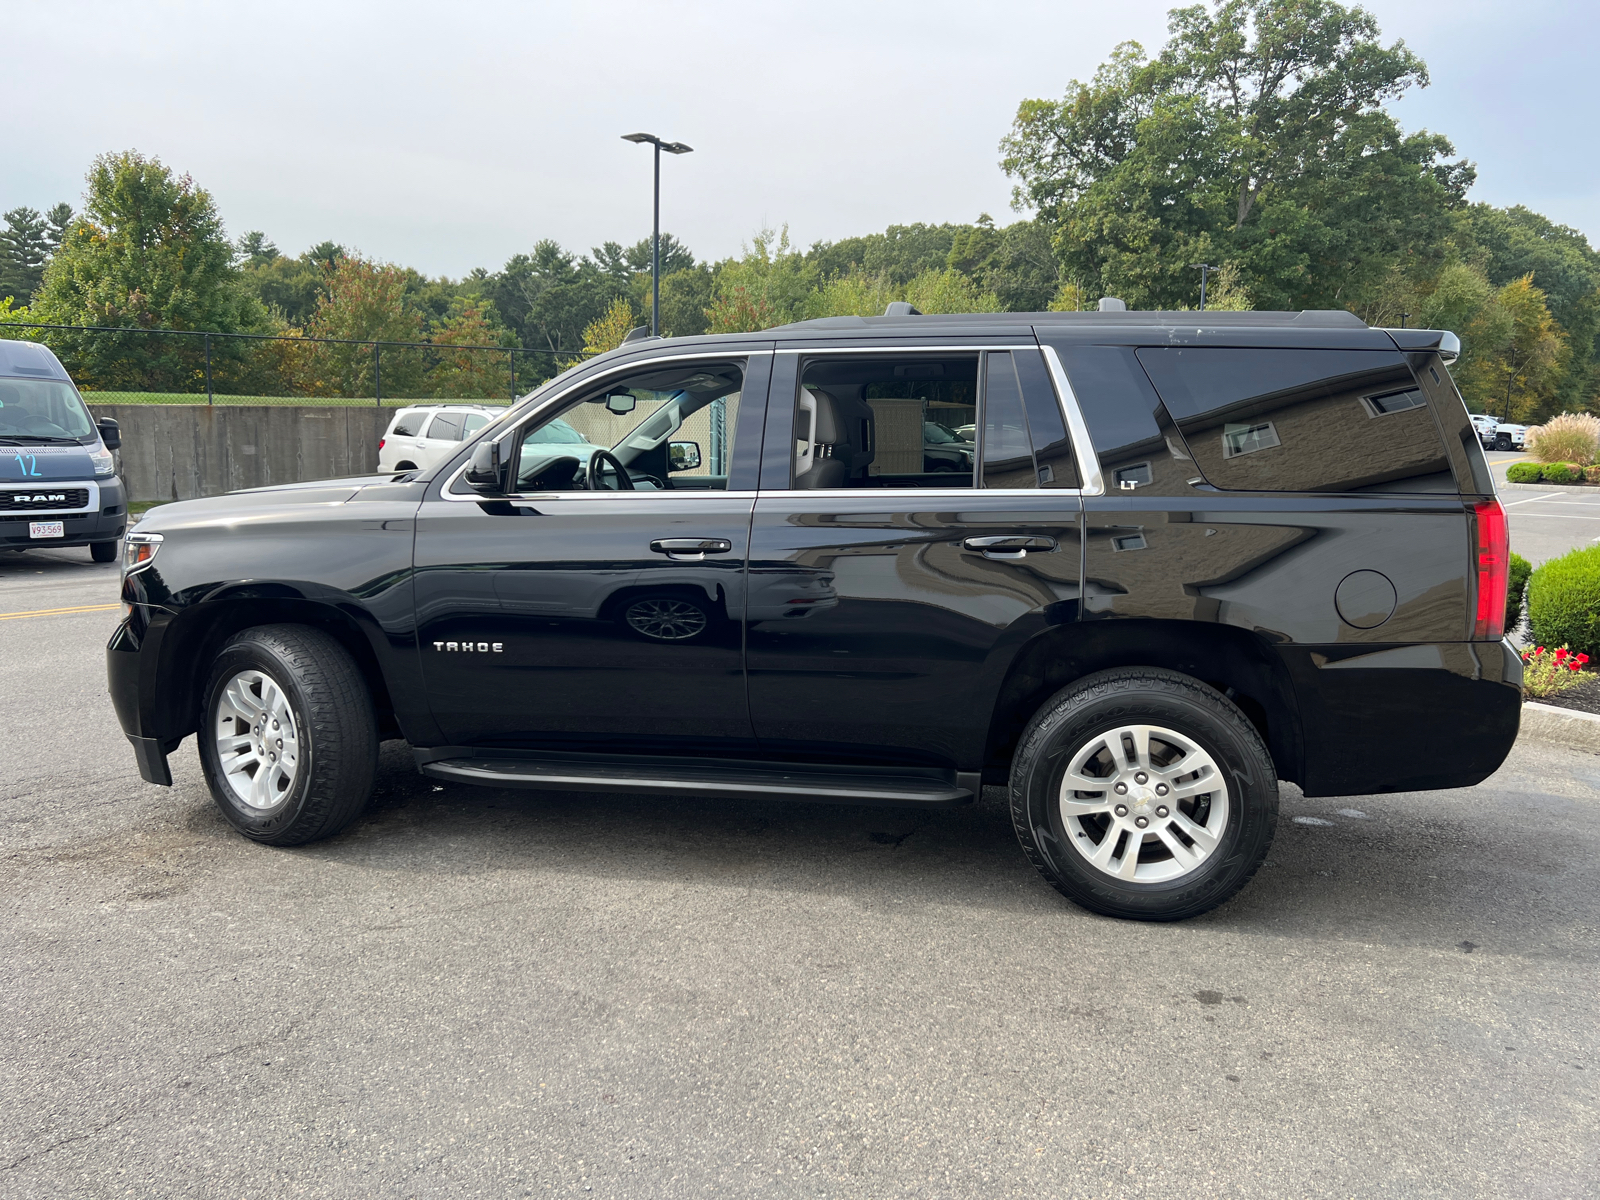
{"x":1008,"y":549}
{"x":690,"y":549}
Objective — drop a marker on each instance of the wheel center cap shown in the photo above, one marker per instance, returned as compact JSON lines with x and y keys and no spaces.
{"x":1139,"y":796}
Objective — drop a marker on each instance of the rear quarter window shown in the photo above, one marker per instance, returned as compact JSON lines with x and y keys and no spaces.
{"x":1302,"y":420}
{"x":408,"y":425}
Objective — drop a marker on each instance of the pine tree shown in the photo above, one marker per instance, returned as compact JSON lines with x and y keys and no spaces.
{"x":60,"y":220}
{"x":24,"y":246}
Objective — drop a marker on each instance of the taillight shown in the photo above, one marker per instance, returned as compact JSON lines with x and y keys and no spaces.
{"x":1494,"y":564}
{"x":381,"y":441}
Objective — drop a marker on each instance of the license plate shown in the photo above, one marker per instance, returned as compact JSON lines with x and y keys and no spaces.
{"x":47,"y":529}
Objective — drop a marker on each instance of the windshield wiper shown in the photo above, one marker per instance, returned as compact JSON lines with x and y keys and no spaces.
{"x":32,"y":439}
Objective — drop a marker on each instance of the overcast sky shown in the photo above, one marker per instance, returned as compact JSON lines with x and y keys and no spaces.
{"x":451,"y":136}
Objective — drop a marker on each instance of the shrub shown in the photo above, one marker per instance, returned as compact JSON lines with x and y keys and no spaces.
{"x":1548,"y":671}
{"x":1524,"y":472}
{"x":1592,"y":474}
{"x":1571,"y":437}
{"x":1561,"y":472}
{"x":1516,"y":585}
{"x":1564,"y":601}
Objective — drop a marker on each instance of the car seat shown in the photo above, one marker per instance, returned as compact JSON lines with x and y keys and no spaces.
{"x":836,"y":437}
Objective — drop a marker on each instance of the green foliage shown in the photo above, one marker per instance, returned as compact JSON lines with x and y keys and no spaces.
{"x":1564,"y":601}
{"x":899,"y":254}
{"x":147,"y":253}
{"x":361,"y":301}
{"x":24,"y":247}
{"x":605,"y":332}
{"x":459,"y":373}
{"x":1516,"y":589}
{"x":1257,"y":136}
{"x":59,"y":219}
{"x":769,"y":284}
{"x":1561,"y":473}
{"x":1524,"y":472}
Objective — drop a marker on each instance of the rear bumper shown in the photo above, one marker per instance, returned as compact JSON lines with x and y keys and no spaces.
{"x":1404,"y":718}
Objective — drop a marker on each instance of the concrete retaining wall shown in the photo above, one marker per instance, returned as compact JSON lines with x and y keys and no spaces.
{"x":180,"y":451}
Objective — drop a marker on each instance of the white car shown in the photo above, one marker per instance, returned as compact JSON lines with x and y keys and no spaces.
{"x":422,"y":434}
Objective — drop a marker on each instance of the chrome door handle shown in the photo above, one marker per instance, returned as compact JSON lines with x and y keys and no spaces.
{"x":690,"y":549}
{"x":1008,"y":549}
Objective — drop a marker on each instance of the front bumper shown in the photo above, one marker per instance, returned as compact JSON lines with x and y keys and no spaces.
{"x":105,"y":521}
{"x":131,"y":663}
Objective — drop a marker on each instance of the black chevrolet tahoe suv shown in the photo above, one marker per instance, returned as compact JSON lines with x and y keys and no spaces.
{"x":1170,"y":579}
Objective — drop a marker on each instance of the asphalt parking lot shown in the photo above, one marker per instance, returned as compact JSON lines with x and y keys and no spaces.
{"x":479,"y":993}
{"x":1548,"y":522}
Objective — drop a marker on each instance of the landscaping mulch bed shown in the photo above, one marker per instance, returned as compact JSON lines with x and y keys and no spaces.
{"x":1583,"y":698}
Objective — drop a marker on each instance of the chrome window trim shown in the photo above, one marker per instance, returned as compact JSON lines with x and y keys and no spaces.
{"x":91,"y":509}
{"x":916,"y":493}
{"x":1094,"y":483}
{"x":513,"y":417}
{"x":825,"y":351}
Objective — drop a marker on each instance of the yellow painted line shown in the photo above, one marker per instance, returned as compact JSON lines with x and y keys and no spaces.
{"x":57,"y":612}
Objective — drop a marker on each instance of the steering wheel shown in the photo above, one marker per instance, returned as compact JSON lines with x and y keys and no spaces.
{"x":591,"y":477}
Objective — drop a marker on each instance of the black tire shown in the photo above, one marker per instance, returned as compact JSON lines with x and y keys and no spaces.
{"x":1503,"y":442}
{"x":1070,"y":723}
{"x":103,"y":551}
{"x":331,"y":708}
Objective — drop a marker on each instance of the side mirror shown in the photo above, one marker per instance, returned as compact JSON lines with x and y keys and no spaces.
{"x":621,"y":403}
{"x":110,"y":432}
{"x":485,"y":473}
{"x":683,"y":456}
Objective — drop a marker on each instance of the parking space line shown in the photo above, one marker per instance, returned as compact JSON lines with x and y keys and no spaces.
{"x":59,"y":612}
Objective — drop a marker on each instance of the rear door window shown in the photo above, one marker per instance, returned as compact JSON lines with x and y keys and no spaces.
{"x":446,"y":427}
{"x":1264,"y":420}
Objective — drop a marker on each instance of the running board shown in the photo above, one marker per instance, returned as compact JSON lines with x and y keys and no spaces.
{"x":704,"y":777}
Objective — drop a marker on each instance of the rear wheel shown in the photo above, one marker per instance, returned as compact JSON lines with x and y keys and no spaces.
{"x":288,"y":737}
{"x":1503,"y":442}
{"x":1144,"y":793}
{"x":103,"y":551}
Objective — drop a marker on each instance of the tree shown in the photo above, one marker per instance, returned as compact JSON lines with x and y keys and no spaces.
{"x":605,"y":332}
{"x":900,"y":253}
{"x":767,"y":285}
{"x":1518,"y":353}
{"x":255,"y":249}
{"x":362,"y":301}
{"x":550,"y":296}
{"x":1257,"y":136}
{"x":675,"y":256}
{"x":148,"y":252}
{"x":465,"y":373}
{"x":59,"y":218}
{"x":24,"y":247}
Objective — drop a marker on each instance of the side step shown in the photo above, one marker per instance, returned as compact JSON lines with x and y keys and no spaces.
{"x":733,"y":778}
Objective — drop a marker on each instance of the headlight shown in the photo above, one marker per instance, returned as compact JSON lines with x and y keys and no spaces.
{"x":139,"y":551}
{"x":104,"y":463}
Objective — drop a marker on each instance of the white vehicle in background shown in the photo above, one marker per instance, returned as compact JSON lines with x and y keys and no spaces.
{"x":422,"y":434}
{"x":1509,"y":437}
{"x":1486,"y":426}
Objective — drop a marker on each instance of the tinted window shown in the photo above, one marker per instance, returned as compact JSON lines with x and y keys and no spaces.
{"x":408,"y":425}
{"x":1301,"y":420}
{"x":1137,"y":444}
{"x":1052,"y":449}
{"x":446,"y":427}
{"x":1007,"y":448}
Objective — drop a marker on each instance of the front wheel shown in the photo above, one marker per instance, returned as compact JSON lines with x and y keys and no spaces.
{"x":288,"y":737}
{"x":1503,"y":442}
{"x":1144,"y":793}
{"x":103,"y":551}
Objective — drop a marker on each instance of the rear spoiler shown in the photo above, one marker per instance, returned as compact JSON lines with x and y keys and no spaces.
{"x":1441,"y":341}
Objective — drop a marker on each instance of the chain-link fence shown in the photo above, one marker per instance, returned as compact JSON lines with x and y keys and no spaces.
{"x":113,"y":365}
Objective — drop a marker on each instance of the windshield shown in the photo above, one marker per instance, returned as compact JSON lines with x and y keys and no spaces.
{"x":937,"y":433}
{"x":42,"y":408}
{"x":558,"y":432}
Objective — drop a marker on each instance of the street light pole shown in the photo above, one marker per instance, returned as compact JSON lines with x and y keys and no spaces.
{"x":1205,"y":269}
{"x":655,"y":237}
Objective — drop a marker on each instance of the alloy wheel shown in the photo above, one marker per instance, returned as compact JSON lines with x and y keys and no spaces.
{"x":258,"y":745}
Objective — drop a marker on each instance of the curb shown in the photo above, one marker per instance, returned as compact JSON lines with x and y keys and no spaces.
{"x":1551,"y":488}
{"x":1548,"y":723}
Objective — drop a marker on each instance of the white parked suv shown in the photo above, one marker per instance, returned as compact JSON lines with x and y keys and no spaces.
{"x":421,"y":434}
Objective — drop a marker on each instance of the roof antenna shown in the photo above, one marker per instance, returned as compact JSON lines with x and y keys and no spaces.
{"x":901,"y":308}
